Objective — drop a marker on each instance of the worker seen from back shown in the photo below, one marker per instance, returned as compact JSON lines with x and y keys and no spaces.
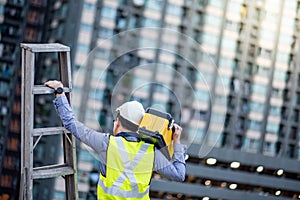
{"x":126,"y":161}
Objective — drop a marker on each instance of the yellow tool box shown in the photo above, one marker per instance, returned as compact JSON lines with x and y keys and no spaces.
{"x":156,"y":121}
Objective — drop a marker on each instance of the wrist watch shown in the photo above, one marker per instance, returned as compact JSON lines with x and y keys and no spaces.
{"x":58,"y":90}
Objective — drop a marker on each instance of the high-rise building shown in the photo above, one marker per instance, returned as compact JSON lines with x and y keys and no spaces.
{"x":227,"y":70}
{"x":12,"y":29}
{"x":30,"y":22}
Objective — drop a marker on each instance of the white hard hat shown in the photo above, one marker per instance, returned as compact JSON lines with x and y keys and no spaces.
{"x":132,"y":111}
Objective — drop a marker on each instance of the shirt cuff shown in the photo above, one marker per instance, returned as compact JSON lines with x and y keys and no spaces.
{"x":180,"y":148}
{"x":59,"y":101}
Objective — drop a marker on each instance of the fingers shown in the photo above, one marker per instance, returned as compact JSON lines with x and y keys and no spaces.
{"x":178,"y":128}
{"x":177,"y":134}
{"x":53,"y":84}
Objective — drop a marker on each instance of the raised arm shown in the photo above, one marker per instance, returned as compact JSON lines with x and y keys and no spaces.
{"x":92,"y":138}
{"x":176,"y":168}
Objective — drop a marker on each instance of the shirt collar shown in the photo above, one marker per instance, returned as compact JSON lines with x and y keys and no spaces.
{"x":129,"y":136}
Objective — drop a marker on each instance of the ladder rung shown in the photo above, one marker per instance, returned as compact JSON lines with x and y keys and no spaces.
{"x":52,"y":47}
{"x":51,"y":171}
{"x":40,"y":89}
{"x":48,"y":131}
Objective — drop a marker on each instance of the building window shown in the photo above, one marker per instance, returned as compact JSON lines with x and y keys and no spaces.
{"x":295,"y":116}
{"x":231,"y":25}
{"x":227,"y":63}
{"x":6,"y":181}
{"x":102,"y":53}
{"x":217,"y":118}
{"x":17,"y":107}
{"x":238,"y":142}
{"x":155,"y":5}
{"x":266,"y":53}
{"x":201,"y":95}
{"x":198,"y":19}
{"x":209,"y":39}
{"x":134,"y":21}
{"x":90,"y":114}
{"x":259,"y":89}
{"x":39,"y":152}
{"x":286,"y":39}
{"x":98,"y":71}
{"x":4,"y":88}
{"x":274,"y":110}
{"x":225,"y":81}
{"x":291,"y":151}
{"x":213,"y":20}
{"x":160,"y":105}
{"x":2,"y":9}
{"x":83,"y":48}
{"x":229,"y":44}
{"x":38,"y":3}
{"x":269,"y":148}
{"x":9,"y":162}
{"x":146,"y":42}
{"x":245,"y":107}
{"x":214,"y":138}
{"x":86,"y":27}
{"x":3,"y":108}
{"x":284,"y":113}
{"x":13,"y":144}
{"x":293,"y":133}
{"x":254,"y":125}
{"x":173,"y":9}
{"x":148,"y":22}
{"x":30,"y":34}
{"x":108,"y":12}
{"x":15,"y":126}
{"x":263,"y":71}
{"x":105,"y":32}
{"x":201,"y":3}
{"x":121,"y":22}
{"x":216,"y":3}
{"x":235,"y":85}
{"x":89,"y":6}
{"x":196,"y":135}
{"x":33,"y":17}
{"x":256,"y":107}
{"x":276,"y":92}
{"x":267,"y":35}
{"x":85,"y":155}
{"x":272,"y":128}
{"x":280,"y":75}
{"x":282,"y":57}
{"x":250,"y":144}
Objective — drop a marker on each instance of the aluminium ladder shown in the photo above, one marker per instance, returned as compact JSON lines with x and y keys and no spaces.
{"x":28,"y":132}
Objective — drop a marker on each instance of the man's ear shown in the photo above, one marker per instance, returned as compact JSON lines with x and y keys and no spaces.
{"x":118,"y":122}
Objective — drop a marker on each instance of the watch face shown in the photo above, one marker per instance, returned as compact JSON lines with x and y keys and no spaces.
{"x":59,"y":90}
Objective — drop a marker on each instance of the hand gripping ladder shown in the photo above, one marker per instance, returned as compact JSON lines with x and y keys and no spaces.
{"x":28,"y":132}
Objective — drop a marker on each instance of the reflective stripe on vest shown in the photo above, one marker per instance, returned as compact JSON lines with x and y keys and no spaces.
{"x":128,"y":170}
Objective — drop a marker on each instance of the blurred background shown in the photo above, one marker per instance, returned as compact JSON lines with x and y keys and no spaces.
{"x":227,"y":70}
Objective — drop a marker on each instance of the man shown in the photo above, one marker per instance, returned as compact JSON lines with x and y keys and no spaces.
{"x":126,"y":162}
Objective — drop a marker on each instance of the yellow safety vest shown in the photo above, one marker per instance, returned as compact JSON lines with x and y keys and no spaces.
{"x":129,"y":168}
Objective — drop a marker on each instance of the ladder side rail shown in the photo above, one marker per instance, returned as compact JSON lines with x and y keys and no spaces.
{"x":27,"y":116}
{"x":69,"y":148}
{"x":23,"y":156}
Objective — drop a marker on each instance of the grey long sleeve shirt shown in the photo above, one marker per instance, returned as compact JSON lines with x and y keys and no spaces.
{"x":174,"y":169}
